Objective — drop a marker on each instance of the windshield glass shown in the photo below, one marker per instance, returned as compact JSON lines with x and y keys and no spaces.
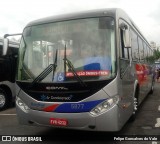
{"x":87,"y":44}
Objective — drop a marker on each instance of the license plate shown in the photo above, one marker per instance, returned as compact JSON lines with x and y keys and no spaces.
{"x":58,"y":122}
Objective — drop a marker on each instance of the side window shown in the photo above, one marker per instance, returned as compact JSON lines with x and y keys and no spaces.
{"x":150,"y":54}
{"x":141,"y":49}
{"x":145,"y":53}
{"x":134,"y":41}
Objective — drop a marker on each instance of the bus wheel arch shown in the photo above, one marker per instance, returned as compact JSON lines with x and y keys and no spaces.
{"x":5,"y":97}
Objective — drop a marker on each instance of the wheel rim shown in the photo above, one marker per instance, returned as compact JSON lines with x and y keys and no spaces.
{"x":152,"y":88}
{"x":2,"y":100}
{"x":135,"y":105}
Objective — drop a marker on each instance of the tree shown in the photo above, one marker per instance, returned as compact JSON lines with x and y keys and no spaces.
{"x":156,"y":54}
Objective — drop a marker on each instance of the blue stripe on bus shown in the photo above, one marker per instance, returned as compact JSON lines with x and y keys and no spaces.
{"x":77,"y":107}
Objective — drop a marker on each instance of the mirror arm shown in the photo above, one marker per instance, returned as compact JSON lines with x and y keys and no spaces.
{"x":7,"y":35}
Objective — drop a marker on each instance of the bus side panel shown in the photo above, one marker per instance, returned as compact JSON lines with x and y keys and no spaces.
{"x":124,"y":89}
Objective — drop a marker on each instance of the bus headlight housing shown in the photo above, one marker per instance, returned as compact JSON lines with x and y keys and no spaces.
{"x":22,"y":105}
{"x":104,"y":106}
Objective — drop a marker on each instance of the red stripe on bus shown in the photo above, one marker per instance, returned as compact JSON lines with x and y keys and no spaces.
{"x":51,"y":108}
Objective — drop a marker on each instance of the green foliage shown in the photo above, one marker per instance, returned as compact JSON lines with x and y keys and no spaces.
{"x":156,"y":54}
{"x":154,"y":57}
{"x":151,"y":59}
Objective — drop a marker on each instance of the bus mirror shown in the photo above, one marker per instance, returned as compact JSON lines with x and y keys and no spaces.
{"x":127,"y":38}
{"x":6,"y":42}
{"x":126,"y":35}
{"x":5,"y":45}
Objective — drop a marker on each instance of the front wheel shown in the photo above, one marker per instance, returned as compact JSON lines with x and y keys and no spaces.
{"x":3,"y":100}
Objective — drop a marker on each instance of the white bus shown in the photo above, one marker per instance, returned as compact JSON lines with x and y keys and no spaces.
{"x":8,"y":67}
{"x":85,"y":71}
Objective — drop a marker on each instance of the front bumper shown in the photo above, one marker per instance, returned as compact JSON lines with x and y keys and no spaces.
{"x":107,"y":121}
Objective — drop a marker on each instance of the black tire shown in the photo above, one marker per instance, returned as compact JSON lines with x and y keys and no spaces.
{"x":152,"y":88}
{"x":135,"y":104}
{"x":4,"y":100}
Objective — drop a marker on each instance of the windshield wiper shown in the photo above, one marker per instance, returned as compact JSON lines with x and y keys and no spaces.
{"x":47,"y":71}
{"x":71,"y":67}
{"x":43,"y":74}
{"x":54,"y":65}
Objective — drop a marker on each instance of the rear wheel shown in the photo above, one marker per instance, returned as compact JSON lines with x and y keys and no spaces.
{"x":3,"y":99}
{"x":135,"y":106}
{"x":152,"y":88}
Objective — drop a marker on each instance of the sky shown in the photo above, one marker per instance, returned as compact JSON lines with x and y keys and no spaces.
{"x":16,"y":14}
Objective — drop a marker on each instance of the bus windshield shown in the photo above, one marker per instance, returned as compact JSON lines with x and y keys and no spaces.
{"x":87,"y":44}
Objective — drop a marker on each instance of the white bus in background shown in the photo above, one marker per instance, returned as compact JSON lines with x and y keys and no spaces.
{"x":8,"y":64}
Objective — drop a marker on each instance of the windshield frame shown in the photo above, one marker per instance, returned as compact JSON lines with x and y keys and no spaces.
{"x":113,"y":53}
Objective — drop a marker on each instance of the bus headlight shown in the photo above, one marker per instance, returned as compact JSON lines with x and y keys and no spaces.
{"x":22,"y":105}
{"x":104,"y":106}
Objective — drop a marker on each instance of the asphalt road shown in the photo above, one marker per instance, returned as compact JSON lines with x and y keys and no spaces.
{"x":147,"y":124}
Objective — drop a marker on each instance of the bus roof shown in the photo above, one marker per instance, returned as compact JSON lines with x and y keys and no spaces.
{"x":113,"y":12}
{"x":84,"y":14}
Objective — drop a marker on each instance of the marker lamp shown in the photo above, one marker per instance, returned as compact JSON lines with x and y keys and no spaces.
{"x":104,"y":106}
{"x":22,"y":105}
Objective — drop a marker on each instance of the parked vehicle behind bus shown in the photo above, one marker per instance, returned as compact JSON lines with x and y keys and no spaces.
{"x":8,"y":67}
{"x":157,"y":71}
{"x":86,"y":71}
